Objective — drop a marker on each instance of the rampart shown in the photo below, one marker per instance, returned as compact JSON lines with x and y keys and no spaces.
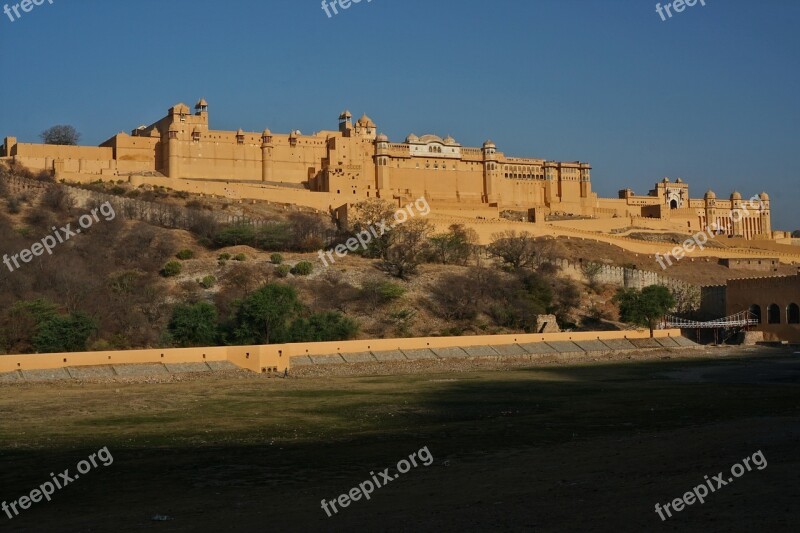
{"x":277,"y":357}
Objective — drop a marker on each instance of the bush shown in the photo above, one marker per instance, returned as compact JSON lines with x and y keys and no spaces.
{"x":276,"y":259}
{"x":224,"y":256}
{"x":194,"y":325}
{"x":184,"y":254}
{"x":282,"y":271}
{"x":235,"y":235}
{"x":208,"y":282}
{"x":240,"y":257}
{"x":322,"y":327}
{"x":264,"y":316}
{"x":58,"y":198}
{"x":64,"y":334}
{"x":13,"y":205}
{"x":172,"y":268}
{"x":378,"y":292}
{"x":303,"y":268}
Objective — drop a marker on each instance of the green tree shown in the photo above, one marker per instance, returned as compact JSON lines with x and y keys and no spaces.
{"x":264,"y":316}
{"x":62,"y":134}
{"x":64,"y":333}
{"x":235,"y":235}
{"x":516,"y":250}
{"x":408,"y":247}
{"x":21,"y":323}
{"x":645,"y":307}
{"x":320,"y":327}
{"x":194,"y":325}
{"x":455,"y":246}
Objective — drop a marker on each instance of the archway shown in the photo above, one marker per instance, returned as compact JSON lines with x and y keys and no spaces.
{"x":773,"y":314}
{"x":793,"y":314}
{"x":755,"y":310}
{"x":673,"y":204}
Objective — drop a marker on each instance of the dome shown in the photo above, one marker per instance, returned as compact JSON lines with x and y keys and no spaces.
{"x":449,"y":140}
{"x":345,"y":115}
{"x":201,"y":103}
{"x":678,"y":180}
{"x":429,"y":138}
{"x":240,"y":132}
{"x":764,"y":196}
{"x":382,"y":138}
{"x":366,"y":121}
{"x":181,"y":109}
{"x":736,"y":195}
{"x":412,"y":138}
{"x":665,"y":180}
{"x":710,"y":195}
{"x":266,"y":133}
{"x":489,"y":144}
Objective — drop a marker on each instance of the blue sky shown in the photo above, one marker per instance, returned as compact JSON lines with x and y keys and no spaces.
{"x":710,"y":95}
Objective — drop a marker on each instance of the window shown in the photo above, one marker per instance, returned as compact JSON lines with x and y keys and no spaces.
{"x":755,"y":310}
{"x":773,"y":314}
{"x":793,"y":314}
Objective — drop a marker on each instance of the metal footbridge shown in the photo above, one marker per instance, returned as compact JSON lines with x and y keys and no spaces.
{"x":739,"y":320}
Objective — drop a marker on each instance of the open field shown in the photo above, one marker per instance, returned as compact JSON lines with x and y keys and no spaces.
{"x":559,"y":447}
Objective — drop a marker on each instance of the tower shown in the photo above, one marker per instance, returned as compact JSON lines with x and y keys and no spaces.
{"x":266,"y":155}
{"x":552,"y":190}
{"x":711,"y":210}
{"x":737,"y":215}
{"x":764,"y":215}
{"x":365,"y":127}
{"x":173,"y":151}
{"x":382,"y":165}
{"x":586,"y":180}
{"x":201,"y":108}
{"x":346,"y":123}
{"x":491,"y":173}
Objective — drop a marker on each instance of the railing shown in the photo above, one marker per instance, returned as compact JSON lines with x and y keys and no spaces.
{"x":741,"y":319}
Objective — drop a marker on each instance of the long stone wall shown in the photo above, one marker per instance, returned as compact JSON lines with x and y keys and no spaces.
{"x":280,"y":357}
{"x":629,"y":278}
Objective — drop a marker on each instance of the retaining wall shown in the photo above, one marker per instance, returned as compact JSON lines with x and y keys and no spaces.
{"x":277,"y":357}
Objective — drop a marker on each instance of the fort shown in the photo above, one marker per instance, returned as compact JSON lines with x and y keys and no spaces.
{"x":330,"y":169}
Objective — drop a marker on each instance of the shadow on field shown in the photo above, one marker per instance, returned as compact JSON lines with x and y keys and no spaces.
{"x":588,"y":448}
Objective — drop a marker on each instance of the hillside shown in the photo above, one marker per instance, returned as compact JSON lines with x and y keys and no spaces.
{"x":112,"y":280}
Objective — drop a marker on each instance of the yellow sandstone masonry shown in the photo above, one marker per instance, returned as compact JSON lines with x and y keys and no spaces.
{"x":277,"y":357}
{"x":330,"y":169}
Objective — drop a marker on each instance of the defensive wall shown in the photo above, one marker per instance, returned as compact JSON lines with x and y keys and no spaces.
{"x":280,"y":357}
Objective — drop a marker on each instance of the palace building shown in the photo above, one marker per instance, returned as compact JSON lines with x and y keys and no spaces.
{"x":330,"y":168}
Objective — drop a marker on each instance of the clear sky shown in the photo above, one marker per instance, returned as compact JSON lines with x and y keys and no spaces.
{"x":710,"y":95}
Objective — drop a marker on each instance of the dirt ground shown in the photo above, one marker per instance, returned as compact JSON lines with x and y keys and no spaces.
{"x":565,"y":446}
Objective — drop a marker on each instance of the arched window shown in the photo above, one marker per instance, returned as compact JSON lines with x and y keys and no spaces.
{"x":773,"y":314}
{"x":793,"y":314}
{"x":755,"y":310}
{"x":673,"y":204}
